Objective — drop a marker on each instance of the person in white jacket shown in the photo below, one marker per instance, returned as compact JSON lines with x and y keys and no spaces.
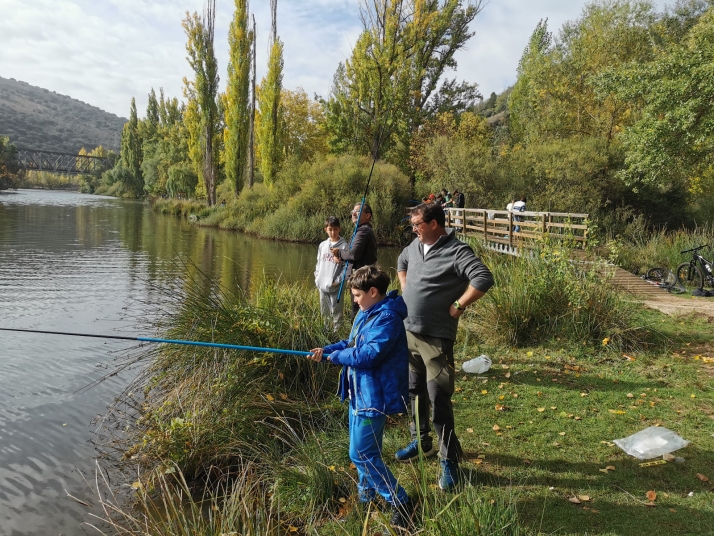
{"x":328,"y":273}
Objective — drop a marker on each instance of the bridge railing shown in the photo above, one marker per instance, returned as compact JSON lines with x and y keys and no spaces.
{"x":519,"y":229}
{"x":40,"y":160}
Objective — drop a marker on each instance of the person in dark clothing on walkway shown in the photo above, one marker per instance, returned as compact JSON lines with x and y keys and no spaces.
{"x":363,"y":250}
{"x":440,"y":276}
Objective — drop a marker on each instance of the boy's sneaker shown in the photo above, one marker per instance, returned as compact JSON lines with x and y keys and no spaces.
{"x":411,"y":451}
{"x":403,"y":515}
{"x":449,"y":475}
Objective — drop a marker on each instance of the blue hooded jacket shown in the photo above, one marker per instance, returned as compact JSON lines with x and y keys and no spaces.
{"x":375,"y":360}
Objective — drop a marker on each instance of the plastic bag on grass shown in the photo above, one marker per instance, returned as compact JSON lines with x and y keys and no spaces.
{"x":478,"y":365}
{"x":651,"y":443}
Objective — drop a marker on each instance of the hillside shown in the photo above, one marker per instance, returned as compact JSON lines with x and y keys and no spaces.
{"x":37,"y":118}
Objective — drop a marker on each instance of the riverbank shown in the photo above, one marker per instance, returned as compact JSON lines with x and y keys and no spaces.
{"x":295,"y":207}
{"x":575,"y":366}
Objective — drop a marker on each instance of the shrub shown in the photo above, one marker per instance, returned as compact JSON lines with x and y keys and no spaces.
{"x":542,"y":297}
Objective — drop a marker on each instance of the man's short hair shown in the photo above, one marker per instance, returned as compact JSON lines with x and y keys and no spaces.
{"x":430,"y":212}
{"x":332,"y":221}
{"x":369,"y":276}
{"x":367,"y":209}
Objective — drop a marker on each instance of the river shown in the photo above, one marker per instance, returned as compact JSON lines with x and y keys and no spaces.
{"x":81,"y":263}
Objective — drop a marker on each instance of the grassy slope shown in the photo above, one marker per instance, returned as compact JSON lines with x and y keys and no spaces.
{"x":37,"y":118}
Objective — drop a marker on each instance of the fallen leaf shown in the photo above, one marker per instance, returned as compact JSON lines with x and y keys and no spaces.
{"x":617,"y":411}
{"x":584,"y":498}
{"x":541,"y":410}
{"x":284,"y":396}
{"x":499,"y":407}
{"x":470,"y":430}
{"x":502,"y":397}
{"x":574,"y":500}
{"x":650,"y":504}
{"x":673,"y":510}
{"x":553,"y":407}
{"x":343,"y":500}
{"x":292,"y":529}
{"x":630,"y":395}
{"x":594,"y":511}
{"x":603,"y":471}
{"x":610,"y":467}
{"x":583,"y":394}
{"x":578,"y":418}
{"x":561,"y":433}
{"x":484,"y":392}
{"x":702,"y":477}
{"x":270,"y":397}
{"x":508,"y":374}
{"x":651,"y":496}
{"x":496,"y":428}
{"x":481,"y":456}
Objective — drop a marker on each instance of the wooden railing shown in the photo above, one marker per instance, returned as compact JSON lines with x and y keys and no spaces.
{"x":503,"y":227}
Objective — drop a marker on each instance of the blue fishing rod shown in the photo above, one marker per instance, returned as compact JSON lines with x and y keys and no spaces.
{"x":165,"y":341}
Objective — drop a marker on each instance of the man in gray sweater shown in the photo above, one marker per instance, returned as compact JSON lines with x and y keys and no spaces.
{"x":440,"y":276}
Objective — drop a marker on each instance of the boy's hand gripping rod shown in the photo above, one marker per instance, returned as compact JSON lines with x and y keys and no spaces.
{"x":166,"y":341}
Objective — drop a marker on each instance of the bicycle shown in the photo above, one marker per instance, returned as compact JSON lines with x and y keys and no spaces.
{"x":693,"y":277}
{"x":664,"y":279}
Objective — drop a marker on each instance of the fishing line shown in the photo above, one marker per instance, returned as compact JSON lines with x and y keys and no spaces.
{"x":364,"y":198}
{"x":165,"y":341}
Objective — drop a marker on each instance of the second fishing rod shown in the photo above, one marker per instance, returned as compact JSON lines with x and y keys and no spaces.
{"x":358,"y":221}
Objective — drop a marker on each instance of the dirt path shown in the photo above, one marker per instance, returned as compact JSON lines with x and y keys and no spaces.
{"x":656,"y":298}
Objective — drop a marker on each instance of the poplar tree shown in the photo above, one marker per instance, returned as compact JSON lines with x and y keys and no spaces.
{"x":132,"y":152}
{"x":236,"y":98}
{"x":388,"y":88}
{"x":203,"y":90}
{"x":269,"y":103}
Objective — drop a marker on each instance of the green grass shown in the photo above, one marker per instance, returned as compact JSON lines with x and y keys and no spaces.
{"x":558,"y":398}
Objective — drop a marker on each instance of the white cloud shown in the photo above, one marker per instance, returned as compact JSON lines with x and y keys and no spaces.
{"x":105,"y":52}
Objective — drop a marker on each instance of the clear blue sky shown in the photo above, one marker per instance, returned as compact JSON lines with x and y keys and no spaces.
{"x":104,"y":52}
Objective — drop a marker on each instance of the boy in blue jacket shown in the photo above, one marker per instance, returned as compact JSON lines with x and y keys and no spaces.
{"x":375,"y":378}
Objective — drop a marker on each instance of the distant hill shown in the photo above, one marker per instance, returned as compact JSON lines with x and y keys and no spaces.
{"x":37,"y":118}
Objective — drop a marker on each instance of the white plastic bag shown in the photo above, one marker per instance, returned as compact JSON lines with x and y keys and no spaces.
{"x":478,"y":365}
{"x":651,"y":443}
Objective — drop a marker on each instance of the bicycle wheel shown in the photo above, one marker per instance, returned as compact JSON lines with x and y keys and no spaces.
{"x":690,"y":277}
{"x":657,"y":275}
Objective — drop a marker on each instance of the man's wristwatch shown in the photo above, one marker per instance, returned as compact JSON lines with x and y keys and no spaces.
{"x":457,"y":305}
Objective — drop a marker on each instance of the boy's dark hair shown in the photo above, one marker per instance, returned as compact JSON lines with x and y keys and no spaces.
{"x":369,"y":276}
{"x":332,"y":221}
{"x":430,"y":212}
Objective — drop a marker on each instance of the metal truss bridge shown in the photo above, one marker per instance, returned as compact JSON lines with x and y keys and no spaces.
{"x":39,"y":160}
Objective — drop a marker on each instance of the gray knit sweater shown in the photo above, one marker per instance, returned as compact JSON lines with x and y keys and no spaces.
{"x":434,"y":282}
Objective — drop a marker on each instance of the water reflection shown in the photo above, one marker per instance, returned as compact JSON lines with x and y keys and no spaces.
{"x":74,"y":262}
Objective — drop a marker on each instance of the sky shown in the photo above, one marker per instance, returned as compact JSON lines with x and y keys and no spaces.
{"x":104,"y":52}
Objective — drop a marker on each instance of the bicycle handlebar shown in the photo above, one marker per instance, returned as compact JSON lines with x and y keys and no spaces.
{"x":694,"y":249}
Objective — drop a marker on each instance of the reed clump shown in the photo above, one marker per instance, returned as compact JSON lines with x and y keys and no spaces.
{"x":546,"y":296}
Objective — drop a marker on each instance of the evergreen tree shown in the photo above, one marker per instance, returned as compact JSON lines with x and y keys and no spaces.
{"x":236,"y":98}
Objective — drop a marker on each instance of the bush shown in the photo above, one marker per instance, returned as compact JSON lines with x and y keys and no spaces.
{"x":303,"y":195}
{"x":540,"y":298}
